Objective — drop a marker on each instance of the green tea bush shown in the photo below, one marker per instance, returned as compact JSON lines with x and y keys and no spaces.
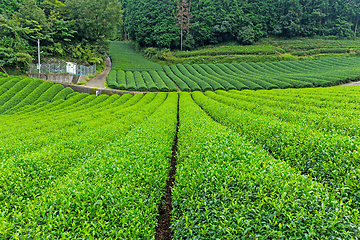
{"x":329,"y":158}
{"x":179,"y":82}
{"x":140,"y":83}
{"x":130,"y":81}
{"x":111,"y":80}
{"x":227,"y":188}
{"x":169,"y":83}
{"x":149,"y":82}
{"x":62,"y":94}
{"x":158,"y":81}
{"x":121,"y":79}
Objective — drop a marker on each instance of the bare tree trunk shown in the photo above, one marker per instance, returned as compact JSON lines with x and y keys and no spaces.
{"x":356,"y":28}
{"x":183,"y":19}
{"x":181,"y":39}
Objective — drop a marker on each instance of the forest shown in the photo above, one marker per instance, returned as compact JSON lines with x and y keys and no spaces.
{"x":76,"y":29}
{"x":82,"y":28}
{"x":161,"y":23}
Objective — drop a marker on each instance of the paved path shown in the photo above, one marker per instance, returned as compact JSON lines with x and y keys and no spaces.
{"x":98,"y":81}
{"x":350,"y":84}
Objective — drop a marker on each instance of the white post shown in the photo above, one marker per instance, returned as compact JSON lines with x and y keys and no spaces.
{"x":39,"y":55}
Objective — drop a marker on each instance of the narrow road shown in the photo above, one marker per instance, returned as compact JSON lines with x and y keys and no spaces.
{"x":350,"y":84}
{"x":99,"y":80}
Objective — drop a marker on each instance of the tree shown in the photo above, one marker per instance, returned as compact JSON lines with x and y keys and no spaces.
{"x":151,"y":22}
{"x":13,"y":48}
{"x":52,"y":6}
{"x":183,"y":18}
{"x":96,"y":20}
{"x":9,"y":7}
{"x":32,"y":16}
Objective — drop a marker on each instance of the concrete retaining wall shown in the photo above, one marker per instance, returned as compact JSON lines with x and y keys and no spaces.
{"x":60,"y":78}
{"x":84,"y":89}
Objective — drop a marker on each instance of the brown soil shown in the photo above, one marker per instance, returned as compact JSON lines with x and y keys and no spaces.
{"x":163,"y":231}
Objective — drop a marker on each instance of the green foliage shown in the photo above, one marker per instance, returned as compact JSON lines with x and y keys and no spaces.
{"x":151,"y":22}
{"x":111,"y":80}
{"x":67,"y":29}
{"x":124,"y":57}
{"x":140,"y":83}
{"x":256,"y":164}
{"x":246,"y":35}
{"x":329,"y":158}
{"x":151,"y":115}
{"x":227,"y":188}
{"x":9,"y":7}
{"x":96,"y":20}
{"x":13,"y":48}
{"x":254,"y":76}
{"x":121,"y":79}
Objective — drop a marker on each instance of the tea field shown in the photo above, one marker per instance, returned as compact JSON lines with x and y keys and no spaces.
{"x":230,"y":76}
{"x":265,"y":164}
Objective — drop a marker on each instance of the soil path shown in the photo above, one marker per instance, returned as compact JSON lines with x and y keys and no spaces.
{"x":163,"y":231}
{"x":99,"y":80}
{"x":350,"y":84}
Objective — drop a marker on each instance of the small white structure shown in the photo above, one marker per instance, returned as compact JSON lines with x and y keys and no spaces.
{"x":71,"y":68}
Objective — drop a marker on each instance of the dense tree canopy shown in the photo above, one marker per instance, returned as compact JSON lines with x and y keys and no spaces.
{"x":215,"y":21}
{"x":80,"y":28}
{"x":76,"y":28}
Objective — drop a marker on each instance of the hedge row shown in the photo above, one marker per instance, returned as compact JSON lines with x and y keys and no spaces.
{"x":329,"y":158}
{"x":13,"y":90}
{"x":20,"y":95}
{"x":149,"y":82}
{"x":121,"y":80}
{"x":63,"y":94}
{"x":192,"y":85}
{"x":106,"y":189}
{"x":130,"y":81}
{"x":179,"y":82}
{"x":332,"y":117}
{"x":205,"y":86}
{"x":111,"y":79}
{"x":140,"y":83}
{"x":227,"y":188}
{"x":158,"y":81}
{"x":169,"y":83}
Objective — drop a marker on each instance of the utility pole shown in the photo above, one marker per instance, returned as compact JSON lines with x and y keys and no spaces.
{"x":39,"y":56}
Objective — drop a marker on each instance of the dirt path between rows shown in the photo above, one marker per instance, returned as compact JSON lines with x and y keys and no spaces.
{"x":163,"y":230}
{"x":99,"y":80}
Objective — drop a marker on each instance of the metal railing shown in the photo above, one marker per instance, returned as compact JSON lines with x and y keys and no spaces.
{"x":62,"y":68}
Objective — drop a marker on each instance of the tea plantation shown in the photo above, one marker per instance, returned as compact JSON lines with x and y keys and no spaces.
{"x":143,"y":75}
{"x":278,"y":164}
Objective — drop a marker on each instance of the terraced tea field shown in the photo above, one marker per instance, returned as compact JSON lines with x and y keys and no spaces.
{"x":124,"y":57}
{"x":278,"y":164}
{"x":238,"y":76}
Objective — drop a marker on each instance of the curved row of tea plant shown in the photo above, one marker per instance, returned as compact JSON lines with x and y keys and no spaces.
{"x":226,"y":188}
{"x":17,"y":92}
{"x":254,"y":76}
{"x":146,"y":81}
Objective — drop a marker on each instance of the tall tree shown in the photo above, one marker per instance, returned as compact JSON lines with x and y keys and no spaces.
{"x":13,"y":47}
{"x":96,"y":20}
{"x":9,"y":7}
{"x":183,"y":18}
